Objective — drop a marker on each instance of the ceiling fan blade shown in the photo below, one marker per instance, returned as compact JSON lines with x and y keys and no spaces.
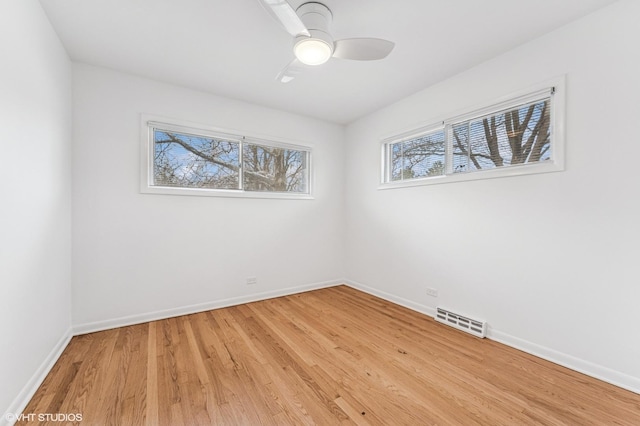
{"x":286,"y":15}
{"x":291,"y":71}
{"x":363,"y":49}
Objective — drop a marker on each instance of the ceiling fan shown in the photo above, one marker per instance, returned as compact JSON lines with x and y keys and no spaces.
{"x":313,"y":44}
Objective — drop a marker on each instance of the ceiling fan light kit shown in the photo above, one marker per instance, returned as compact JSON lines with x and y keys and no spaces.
{"x":312,"y":51}
{"x":313,"y":43}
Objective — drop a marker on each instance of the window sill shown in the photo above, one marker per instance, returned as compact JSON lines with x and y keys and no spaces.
{"x":229,"y":193}
{"x":525,"y":169}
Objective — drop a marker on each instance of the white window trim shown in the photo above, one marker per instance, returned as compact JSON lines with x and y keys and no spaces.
{"x":147,"y":150}
{"x":554,"y":164}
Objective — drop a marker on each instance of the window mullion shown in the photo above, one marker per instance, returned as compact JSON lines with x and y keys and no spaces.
{"x":402,"y":162}
{"x":390,"y":159}
{"x":241,"y":164}
{"x":386,"y":163}
{"x":468,"y":146}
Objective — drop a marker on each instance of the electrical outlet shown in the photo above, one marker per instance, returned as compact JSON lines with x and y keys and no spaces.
{"x":432,"y":292}
{"x":252,"y":280}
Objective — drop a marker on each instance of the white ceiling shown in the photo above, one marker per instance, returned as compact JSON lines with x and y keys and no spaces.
{"x":234,"y":48}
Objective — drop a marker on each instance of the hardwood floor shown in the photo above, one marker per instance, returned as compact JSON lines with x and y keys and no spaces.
{"x":324,"y":357}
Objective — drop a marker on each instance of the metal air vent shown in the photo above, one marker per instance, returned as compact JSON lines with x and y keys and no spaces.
{"x":476,"y":327}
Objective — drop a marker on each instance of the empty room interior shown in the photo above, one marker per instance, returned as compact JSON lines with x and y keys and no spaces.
{"x":293,"y":212}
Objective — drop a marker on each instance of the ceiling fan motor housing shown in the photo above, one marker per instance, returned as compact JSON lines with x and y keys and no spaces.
{"x":317,"y":18}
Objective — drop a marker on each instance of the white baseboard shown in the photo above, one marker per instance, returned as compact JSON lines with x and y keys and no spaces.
{"x":599,"y":372}
{"x":192,"y":309}
{"x":20,"y":402}
{"x":423,"y":309}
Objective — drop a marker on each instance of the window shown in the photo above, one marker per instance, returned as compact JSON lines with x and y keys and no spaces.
{"x":184,"y":160}
{"x":418,"y":157}
{"x":513,"y":137}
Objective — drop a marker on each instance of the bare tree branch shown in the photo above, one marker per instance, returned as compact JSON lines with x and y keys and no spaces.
{"x":174,"y":139}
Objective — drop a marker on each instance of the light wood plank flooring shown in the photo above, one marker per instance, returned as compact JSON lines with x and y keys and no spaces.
{"x":324,"y":357}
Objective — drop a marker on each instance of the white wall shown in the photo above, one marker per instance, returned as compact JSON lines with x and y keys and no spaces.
{"x":551,"y":260}
{"x":145,"y":255}
{"x":35,"y":199}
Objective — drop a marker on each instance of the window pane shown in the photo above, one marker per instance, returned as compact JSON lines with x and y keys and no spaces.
{"x":420,"y":157}
{"x":480,"y":157}
{"x":461,"y":147}
{"x":183,"y":160}
{"x":274,"y":169}
{"x":424,"y":156}
{"x":517,"y":136}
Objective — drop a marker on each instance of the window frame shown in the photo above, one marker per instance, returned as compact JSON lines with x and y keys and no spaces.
{"x":555,"y":89}
{"x":147,"y":150}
